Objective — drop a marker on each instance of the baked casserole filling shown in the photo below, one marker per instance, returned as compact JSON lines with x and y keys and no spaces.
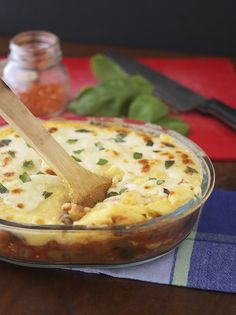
{"x":152,"y":175}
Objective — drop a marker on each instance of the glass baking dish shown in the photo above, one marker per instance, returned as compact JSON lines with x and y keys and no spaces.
{"x":62,"y":246}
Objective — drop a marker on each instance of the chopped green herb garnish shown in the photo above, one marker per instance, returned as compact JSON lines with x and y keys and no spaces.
{"x":4,"y":142}
{"x":123,"y":190}
{"x":149,"y":143}
{"x":120,"y":137}
{"x":25,"y":177}
{"x":83,"y":130}
{"x":78,"y":151}
{"x":28,"y":164}
{"x":47,"y":194}
{"x":169,"y":163}
{"x":95,"y":123}
{"x":137,"y":155}
{"x":3,"y":189}
{"x":156,"y":151}
{"x":99,"y":146}
{"x":190,"y":170}
{"x":12,"y":154}
{"x":71,"y":141}
{"x":102,"y":162}
{"x":40,"y":173}
{"x":166,"y":191}
{"x":112,"y":193}
{"x":167,"y":144}
{"x":160,"y":181}
{"x":76,"y":158}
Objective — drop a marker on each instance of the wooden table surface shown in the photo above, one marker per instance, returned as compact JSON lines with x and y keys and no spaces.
{"x":26,"y":291}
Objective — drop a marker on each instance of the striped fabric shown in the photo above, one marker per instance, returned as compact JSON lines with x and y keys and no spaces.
{"x":205,"y":260}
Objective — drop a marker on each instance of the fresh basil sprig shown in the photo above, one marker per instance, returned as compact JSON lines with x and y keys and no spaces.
{"x":121,"y":95}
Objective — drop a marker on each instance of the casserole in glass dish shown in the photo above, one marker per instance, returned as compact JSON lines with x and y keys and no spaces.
{"x":120,"y":242}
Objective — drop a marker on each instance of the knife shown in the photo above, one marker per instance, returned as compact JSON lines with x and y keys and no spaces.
{"x":175,"y":94}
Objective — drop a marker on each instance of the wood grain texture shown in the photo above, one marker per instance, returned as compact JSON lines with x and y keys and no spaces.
{"x":26,"y":291}
{"x":54,"y":292}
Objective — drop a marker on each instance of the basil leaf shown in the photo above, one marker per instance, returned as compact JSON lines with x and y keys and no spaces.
{"x":85,"y":90}
{"x":123,"y":190}
{"x":149,"y":143}
{"x":28,"y":164}
{"x":91,"y":103}
{"x":3,"y":189}
{"x":25,"y":177}
{"x":83,"y":130}
{"x":78,"y":151}
{"x":190,"y":170}
{"x":40,"y":173}
{"x":120,"y":137}
{"x":169,"y":163}
{"x":4,"y":142}
{"x":137,"y":155}
{"x":109,"y":98}
{"x":47,"y":194}
{"x":147,"y":108}
{"x":12,"y":154}
{"x":167,"y":144}
{"x":166,"y":191}
{"x":112,"y":193}
{"x":104,"y":68}
{"x":160,"y":181}
{"x":102,"y":162}
{"x":99,"y":145}
{"x":141,"y":85}
{"x":174,"y":124}
{"x":96,"y":123}
{"x":71,"y":141}
{"x":76,"y":158}
{"x":121,"y":95}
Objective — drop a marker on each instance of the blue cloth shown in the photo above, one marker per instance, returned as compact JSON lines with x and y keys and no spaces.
{"x":205,"y":260}
{"x":213,"y":259}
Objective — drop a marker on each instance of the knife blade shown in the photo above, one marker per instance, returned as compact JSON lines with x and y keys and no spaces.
{"x":175,"y":94}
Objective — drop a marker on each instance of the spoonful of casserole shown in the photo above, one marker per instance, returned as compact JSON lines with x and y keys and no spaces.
{"x":85,"y":187}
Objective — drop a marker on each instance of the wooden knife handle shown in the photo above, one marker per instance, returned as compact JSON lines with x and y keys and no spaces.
{"x":220,"y":110}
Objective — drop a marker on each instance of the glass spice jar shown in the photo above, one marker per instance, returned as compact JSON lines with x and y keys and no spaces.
{"x":35,"y":73}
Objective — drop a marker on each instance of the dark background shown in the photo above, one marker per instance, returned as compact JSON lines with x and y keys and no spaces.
{"x":169,"y":25}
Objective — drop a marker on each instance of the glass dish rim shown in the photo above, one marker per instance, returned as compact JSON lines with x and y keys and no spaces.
{"x":190,"y":206}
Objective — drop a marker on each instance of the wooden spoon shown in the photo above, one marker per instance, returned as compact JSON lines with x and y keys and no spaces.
{"x":86,"y":188}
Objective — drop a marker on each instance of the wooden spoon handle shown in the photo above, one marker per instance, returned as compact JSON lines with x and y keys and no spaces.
{"x":30,"y":128}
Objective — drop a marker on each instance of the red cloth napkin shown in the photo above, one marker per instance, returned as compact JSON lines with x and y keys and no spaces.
{"x":210,"y":77}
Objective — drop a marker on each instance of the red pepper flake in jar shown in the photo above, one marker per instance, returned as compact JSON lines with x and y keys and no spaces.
{"x":44,"y":99}
{"x":34,"y":71}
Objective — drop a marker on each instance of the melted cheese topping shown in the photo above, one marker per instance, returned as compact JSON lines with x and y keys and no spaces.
{"x":151,"y":175}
